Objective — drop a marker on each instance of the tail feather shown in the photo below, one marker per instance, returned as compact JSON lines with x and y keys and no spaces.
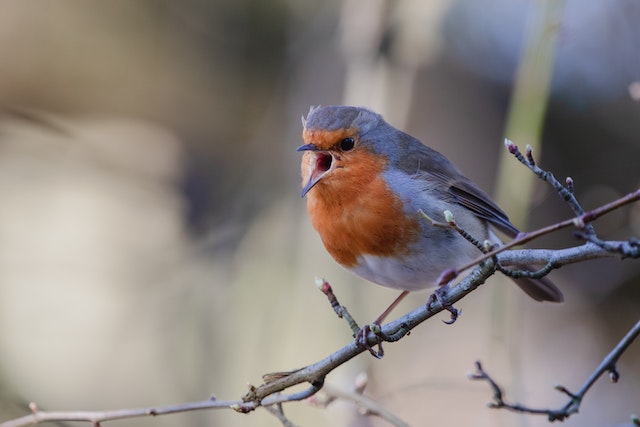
{"x":542,"y":289}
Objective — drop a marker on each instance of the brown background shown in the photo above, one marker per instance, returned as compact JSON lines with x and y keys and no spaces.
{"x":153,"y":247}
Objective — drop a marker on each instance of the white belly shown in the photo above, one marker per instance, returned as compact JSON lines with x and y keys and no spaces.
{"x":416,"y":272}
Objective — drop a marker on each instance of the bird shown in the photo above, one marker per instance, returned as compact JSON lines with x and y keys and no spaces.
{"x":367,"y":185}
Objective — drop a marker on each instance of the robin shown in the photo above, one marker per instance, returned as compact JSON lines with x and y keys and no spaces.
{"x":366,"y":184}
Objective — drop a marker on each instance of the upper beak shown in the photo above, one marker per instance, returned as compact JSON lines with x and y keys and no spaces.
{"x":308,"y":147}
{"x":319,"y":163}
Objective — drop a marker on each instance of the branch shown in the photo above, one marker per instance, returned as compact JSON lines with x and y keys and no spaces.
{"x":367,"y":405}
{"x":96,"y":417}
{"x":270,"y":393}
{"x":572,"y":406}
{"x":582,"y":220}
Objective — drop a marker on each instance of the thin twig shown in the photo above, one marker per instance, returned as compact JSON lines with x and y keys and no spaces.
{"x":572,"y":406}
{"x":270,"y":393}
{"x":579,"y":222}
{"x":278,"y":412}
{"x":340,"y":310}
{"x":582,"y":220}
{"x":566,"y":192}
{"x":368,"y":405}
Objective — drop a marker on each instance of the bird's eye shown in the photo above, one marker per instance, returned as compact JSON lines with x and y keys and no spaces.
{"x":347,"y":144}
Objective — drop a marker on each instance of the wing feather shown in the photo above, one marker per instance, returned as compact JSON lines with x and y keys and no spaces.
{"x":425,"y":160}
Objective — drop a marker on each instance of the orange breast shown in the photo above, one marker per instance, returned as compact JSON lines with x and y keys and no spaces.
{"x":355,"y":213}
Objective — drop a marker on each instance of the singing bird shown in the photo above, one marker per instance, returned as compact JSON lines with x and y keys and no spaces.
{"x":366,"y":184}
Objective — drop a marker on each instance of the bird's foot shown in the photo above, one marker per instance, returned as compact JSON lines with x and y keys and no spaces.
{"x":440,"y":296}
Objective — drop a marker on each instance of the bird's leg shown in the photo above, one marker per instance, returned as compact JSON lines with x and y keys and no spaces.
{"x":361,"y":336}
{"x":391,"y":307}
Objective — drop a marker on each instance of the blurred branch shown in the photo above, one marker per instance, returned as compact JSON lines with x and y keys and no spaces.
{"x":524,"y":123}
{"x":608,"y":364}
{"x":366,"y":405}
{"x":528,"y":104}
{"x":278,"y":412}
{"x":36,"y":118}
{"x":270,"y":392}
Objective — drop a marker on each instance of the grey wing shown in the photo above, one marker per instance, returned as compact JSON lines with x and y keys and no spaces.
{"x":457,"y":187}
{"x":474,"y":199}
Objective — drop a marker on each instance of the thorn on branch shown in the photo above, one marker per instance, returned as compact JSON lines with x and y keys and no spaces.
{"x":614,"y":374}
{"x":360,"y":334}
{"x":326,"y":289}
{"x":513,"y":149}
{"x":340,"y":310}
{"x":270,"y":377}
{"x":564,"y":390}
{"x":241,"y":409}
{"x":529,"y":152}
{"x":570,"y":186}
{"x":566,"y":192}
{"x":360,"y":383}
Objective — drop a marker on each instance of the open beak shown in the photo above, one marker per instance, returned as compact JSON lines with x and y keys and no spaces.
{"x":318,"y":163}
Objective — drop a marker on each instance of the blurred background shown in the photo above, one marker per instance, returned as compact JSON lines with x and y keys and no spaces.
{"x":154,"y":248}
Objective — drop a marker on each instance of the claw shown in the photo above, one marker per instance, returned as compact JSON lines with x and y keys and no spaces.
{"x":438,"y":296}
